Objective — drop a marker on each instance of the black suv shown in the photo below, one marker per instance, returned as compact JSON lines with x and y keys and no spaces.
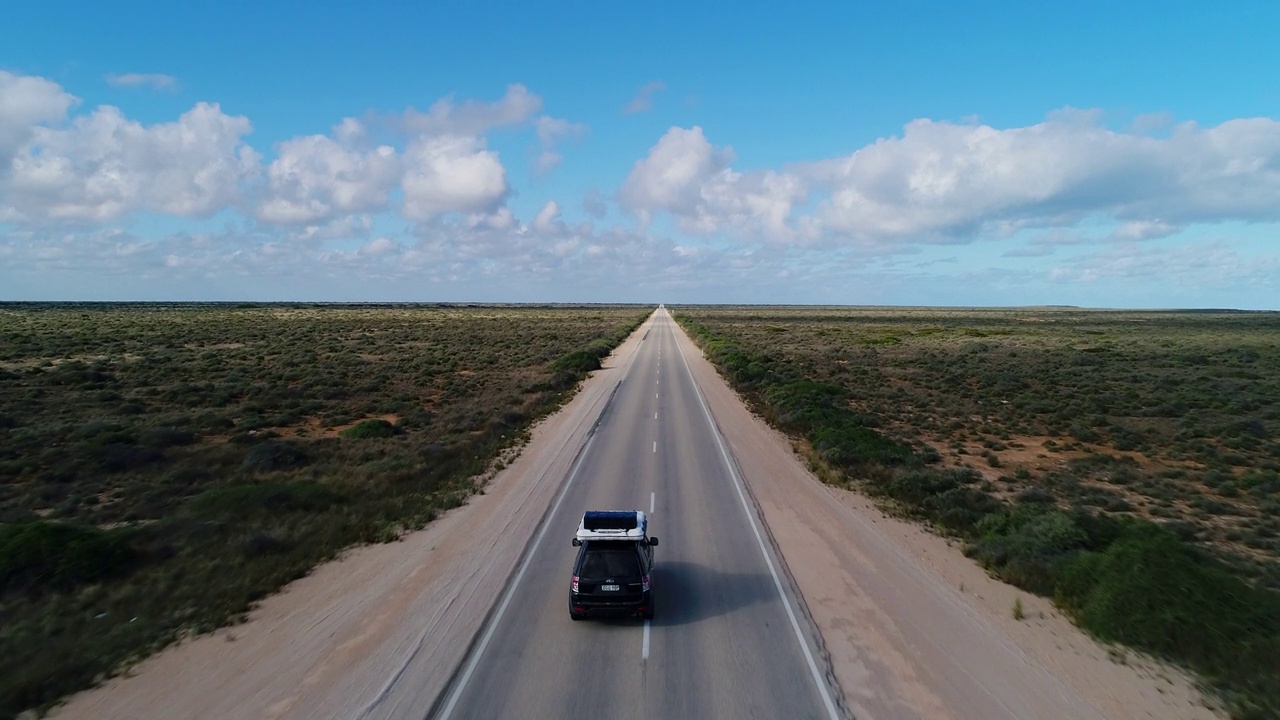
{"x":612,"y":575}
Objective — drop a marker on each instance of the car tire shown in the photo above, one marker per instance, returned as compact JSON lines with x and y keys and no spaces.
{"x":576,"y":616}
{"x":648,"y":612}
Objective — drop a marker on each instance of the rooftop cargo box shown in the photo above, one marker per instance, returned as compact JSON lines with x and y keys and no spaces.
{"x":613,"y":525}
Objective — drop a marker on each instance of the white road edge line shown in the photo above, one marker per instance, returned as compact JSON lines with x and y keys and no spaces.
{"x":651,"y":500}
{"x":511,"y":590}
{"x":655,"y":446}
{"x":644,"y":648}
{"x":755,"y":528}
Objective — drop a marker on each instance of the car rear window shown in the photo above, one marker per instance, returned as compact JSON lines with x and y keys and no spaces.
{"x":610,"y":563}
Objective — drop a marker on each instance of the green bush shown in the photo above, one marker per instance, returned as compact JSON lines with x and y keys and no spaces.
{"x":273,"y":456}
{"x":945,"y":496}
{"x":271,"y":497}
{"x":579,"y":361}
{"x":1028,"y":545}
{"x":1150,"y":591}
{"x":160,"y":438}
{"x":374,"y":428}
{"x":41,"y":555}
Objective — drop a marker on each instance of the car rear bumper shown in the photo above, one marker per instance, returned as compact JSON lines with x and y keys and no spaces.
{"x":595,"y":606}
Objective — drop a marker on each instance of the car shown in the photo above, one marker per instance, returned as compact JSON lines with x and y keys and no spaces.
{"x":613,"y":572}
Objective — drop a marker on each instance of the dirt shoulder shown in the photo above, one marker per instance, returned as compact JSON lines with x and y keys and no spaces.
{"x":379,"y":632}
{"x":914,"y":629}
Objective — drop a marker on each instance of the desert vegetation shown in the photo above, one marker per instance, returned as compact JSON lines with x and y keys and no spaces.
{"x":1126,"y":464}
{"x":162,"y":467}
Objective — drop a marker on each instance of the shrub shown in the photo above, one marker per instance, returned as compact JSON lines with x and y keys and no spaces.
{"x":579,"y":361}
{"x":271,"y":497}
{"x":943,"y":496}
{"x":1027,"y":545}
{"x":161,"y":438}
{"x":1150,"y":591}
{"x":374,"y":428}
{"x":43,"y":555}
{"x":272,"y":456}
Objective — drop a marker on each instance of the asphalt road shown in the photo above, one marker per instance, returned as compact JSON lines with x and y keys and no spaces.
{"x":727,"y":640}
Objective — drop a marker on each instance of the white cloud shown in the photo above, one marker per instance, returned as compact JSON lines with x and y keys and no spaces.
{"x":104,"y":165}
{"x":342,"y":228}
{"x":473,"y":117}
{"x":1213,"y":266}
{"x":380,"y":246}
{"x":942,"y":181}
{"x":154,"y":81}
{"x":643,"y":99}
{"x":25,"y":103}
{"x":451,"y":174}
{"x":547,"y":218}
{"x":550,"y":130}
{"x":500,"y":219}
{"x":1145,"y":230}
{"x":671,"y":177}
{"x":314,"y":178}
{"x":689,"y":178}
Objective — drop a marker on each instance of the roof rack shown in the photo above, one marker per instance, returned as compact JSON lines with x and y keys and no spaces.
{"x":613,"y":525}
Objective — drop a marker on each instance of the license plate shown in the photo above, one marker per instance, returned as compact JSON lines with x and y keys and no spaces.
{"x":610,"y":588}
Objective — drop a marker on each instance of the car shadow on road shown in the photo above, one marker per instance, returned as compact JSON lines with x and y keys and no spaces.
{"x":686,"y":592}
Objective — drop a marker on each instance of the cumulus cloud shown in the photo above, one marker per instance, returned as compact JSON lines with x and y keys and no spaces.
{"x":643,"y":99}
{"x":671,"y":177}
{"x":25,"y":103}
{"x":315,"y":177}
{"x":379,"y":247}
{"x":451,"y":174}
{"x":104,"y":165}
{"x":686,"y":176}
{"x":342,"y":228}
{"x":547,"y":218}
{"x":155,"y":81}
{"x":473,"y":117}
{"x":550,"y":130}
{"x":1145,"y":230}
{"x":942,"y":181}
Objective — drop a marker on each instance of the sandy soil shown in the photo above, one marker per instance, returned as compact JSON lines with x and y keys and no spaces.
{"x":898,"y":608}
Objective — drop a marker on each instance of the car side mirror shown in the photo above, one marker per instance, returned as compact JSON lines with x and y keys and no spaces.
{"x":576,"y":542}
{"x":653,"y":541}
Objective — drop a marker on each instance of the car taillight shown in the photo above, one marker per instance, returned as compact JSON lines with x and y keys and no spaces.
{"x":574,"y":585}
{"x":644,"y":583}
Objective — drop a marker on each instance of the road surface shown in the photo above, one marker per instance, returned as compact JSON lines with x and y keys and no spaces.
{"x":727,"y":640}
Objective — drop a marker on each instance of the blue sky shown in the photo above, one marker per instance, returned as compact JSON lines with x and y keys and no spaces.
{"x":926,"y":153}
